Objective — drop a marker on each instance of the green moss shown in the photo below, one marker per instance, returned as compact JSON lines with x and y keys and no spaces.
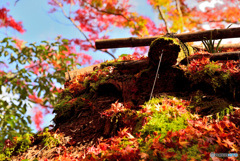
{"x":217,"y":107}
{"x":142,"y":72}
{"x":86,"y":83}
{"x":101,"y":80}
{"x":20,"y":144}
{"x":111,"y":63}
{"x":67,"y":106}
{"x":161,"y":121}
{"x":176,"y":41}
{"x":211,"y":75}
{"x":50,"y":139}
{"x":63,"y":105}
{"x":182,"y":55}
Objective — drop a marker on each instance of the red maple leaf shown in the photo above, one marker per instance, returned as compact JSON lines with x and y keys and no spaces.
{"x":210,"y":140}
{"x":228,"y":143}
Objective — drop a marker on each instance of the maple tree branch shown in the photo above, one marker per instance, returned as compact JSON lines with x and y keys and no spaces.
{"x":79,"y":28}
{"x":74,"y":23}
{"x":164,"y":18}
{"x":180,"y":14}
{"x":99,"y":10}
{"x":116,"y":14}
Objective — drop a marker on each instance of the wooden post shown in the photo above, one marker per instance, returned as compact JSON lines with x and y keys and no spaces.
{"x":170,"y":49}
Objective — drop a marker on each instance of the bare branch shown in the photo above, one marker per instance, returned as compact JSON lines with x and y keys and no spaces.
{"x":164,"y":18}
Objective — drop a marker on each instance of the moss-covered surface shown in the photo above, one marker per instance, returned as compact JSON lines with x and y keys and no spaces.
{"x":107,"y":115}
{"x":169,"y":46}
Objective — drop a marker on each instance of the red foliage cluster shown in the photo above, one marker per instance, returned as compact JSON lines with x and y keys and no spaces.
{"x":115,"y":149}
{"x":116,"y":108}
{"x":76,"y":85}
{"x":134,"y":56}
{"x":219,"y":137}
{"x":224,"y":134}
{"x":195,"y":65}
{"x":38,"y":118}
{"x":198,"y":64}
{"x":8,"y":21}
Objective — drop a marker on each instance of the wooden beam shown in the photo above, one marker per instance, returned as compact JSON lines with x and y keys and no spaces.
{"x":185,"y":37}
{"x":235,"y":45}
{"x":72,"y":74}
{"x":235,"y":55}
{"x":133,"y":66}
{"x":138,"y":65}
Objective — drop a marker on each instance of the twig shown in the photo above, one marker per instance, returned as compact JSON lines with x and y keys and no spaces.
{"x":109,"y":30}
{"x":16,"y":2}
{"x":39,"y":151}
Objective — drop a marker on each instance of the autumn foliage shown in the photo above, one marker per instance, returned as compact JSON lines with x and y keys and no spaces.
{"x":47,"y":63}
{"x":161,"y":128}
{"x":8,"y":21}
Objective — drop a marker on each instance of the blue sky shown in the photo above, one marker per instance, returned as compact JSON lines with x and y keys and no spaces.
{"x":41,"y":26}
